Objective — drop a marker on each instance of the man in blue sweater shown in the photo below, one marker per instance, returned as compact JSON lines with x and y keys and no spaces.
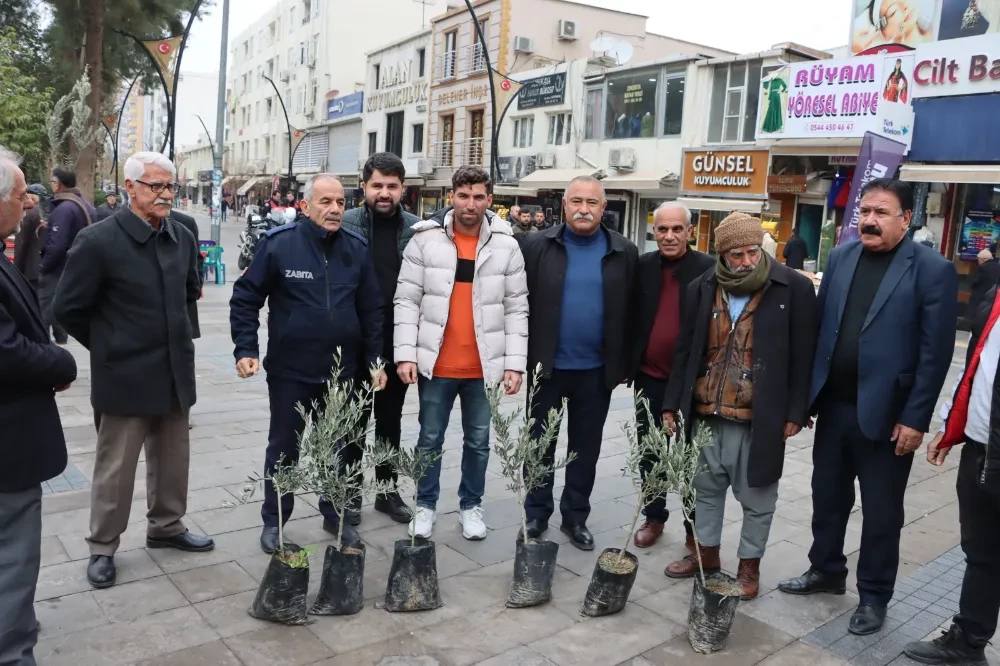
{"x":580,"y":276}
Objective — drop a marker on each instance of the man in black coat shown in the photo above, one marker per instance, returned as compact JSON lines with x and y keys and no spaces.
{"x":888,"y":309}
{"x":32,"y":444}
{"x":742,"y":367}
{"x":30,"y":238}
{"x":796,"y":252}
{"x":987,"y":276}
{"x":125,"y":296}
{"x":659,"y":299}
{"x":191,"y":225}
{"x":580,"y":277}
{"x":109,"y":207}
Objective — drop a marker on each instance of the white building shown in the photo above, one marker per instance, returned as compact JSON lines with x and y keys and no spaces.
{"x":194,"y":172}
{"x":396,"y":96}
{"x":197,"y":95}
{"x":314,"y":52}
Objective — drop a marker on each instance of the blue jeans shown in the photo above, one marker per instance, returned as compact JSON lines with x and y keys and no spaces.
{"x":437,"y":397}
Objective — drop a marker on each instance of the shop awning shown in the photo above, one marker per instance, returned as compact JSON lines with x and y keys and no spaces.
{"x":413,"y":182}
{"x":723,"y":205}
{"x":249,"y":184}
{"x":987,"y":174}
{"x":814,"y":147}
{"x":514,"y":191}
{"x":640,"y":181}
{"x":554,"y":179}
{"x":227,"y":180}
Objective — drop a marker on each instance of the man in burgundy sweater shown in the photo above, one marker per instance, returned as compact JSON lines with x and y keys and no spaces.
{"x":659,"y":293}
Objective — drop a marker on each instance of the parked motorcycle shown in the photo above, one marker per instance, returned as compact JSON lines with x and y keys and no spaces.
{"x":249,"y":238}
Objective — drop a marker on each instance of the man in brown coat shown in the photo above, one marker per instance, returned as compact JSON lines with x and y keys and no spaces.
{"x":742,"y":367}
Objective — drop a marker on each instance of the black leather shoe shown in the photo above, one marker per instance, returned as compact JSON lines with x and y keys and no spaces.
{"x":814,"y":582}
{"x":951,"y":647}
{"x":186,"y":541}
{"x":535,"y":529}
{"x":269,"y":540}
{"x":352,"y":515}
{"x":101,"y":571}
{"x":350,"y":536}
{"x":579,"y":536}
{"x":867,"y":620}
{"x":393,"y":506}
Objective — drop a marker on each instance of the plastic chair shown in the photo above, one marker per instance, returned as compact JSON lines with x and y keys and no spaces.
{"x":213,"y":260}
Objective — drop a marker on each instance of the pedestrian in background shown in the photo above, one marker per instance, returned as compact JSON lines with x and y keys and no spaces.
{"x":70,"y":215}
{"x":31,"y":238}
{"x":524,"y":225}
{"x":125,"y":296}
{"x":580,"y":275}
{"x":33,"y":445}
{"x":888,"y":310}
{"x":796,"y":251}
{"x":388,"y":229}
{"x":987,"y":276}
{"x":540,"y":223}
{"x":461,"y":312}
{"x":109,"y":207}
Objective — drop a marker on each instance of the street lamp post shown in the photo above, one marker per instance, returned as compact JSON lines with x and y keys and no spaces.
{"x":493,"y":94}
{"x":220,"y":129}
{"x":288,"y":123}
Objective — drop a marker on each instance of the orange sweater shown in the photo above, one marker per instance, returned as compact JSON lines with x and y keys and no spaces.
{"x":459,"y":357}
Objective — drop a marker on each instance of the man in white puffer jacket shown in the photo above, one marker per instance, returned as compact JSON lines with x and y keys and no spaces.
{"x":461,"y":324}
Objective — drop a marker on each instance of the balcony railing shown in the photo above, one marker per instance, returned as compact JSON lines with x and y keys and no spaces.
{"x":475,"y":58}
{"x":450,"y":154}
{"x":445,"y":65}
{"x":463,"y":61}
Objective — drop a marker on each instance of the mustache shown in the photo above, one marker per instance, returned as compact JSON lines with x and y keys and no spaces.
{"x":333,"y":218}
{"x":583,"y":216}
{"x":744,"y":269}
{"x":871,"y":230}
{"x":166,"y":202}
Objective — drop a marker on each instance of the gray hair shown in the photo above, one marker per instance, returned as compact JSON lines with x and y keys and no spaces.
{"x":135,"y":166}
{"x":307,"y":191}
{"x":589,"y":180}
{"x":9,"y":163}
{"x":667,"y":205}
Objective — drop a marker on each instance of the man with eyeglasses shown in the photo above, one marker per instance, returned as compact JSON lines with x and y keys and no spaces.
{"x":888,"y":309}
{"x":125,"y":296}
{"x":742,"y":367}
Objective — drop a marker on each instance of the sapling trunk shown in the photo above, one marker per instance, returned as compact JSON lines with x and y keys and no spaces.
{"x":281,"y":527}
{"x":520,"y":503}
{"x":340,"y":528}
{"x":639,"y":503}
{"x":413,"y":537}
{"x":697,"y":544}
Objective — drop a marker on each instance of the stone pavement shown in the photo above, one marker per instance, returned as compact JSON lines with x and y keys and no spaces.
{"x":191,"y":609}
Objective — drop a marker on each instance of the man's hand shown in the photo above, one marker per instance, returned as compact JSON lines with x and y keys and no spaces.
{"x":60,"y":389}
{"x":407,"y":372}
{"x":380,"y":380}
{"x":791,"y":429}
{"x":511,"y":382}
{"x":935,"y":454}
{"x":247,"y":367}
{"x":670,"y":421}
{"x":907,"y":439}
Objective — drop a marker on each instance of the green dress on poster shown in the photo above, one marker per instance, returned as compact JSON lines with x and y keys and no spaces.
{"x":773,"y":120}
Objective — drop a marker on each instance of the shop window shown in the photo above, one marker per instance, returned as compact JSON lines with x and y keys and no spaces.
{"x":378,"y":75}
{"x":394,"y":133}
{"x":592,"y":120}
{"x":673,"y":115}
{"x":421,"y":62}
{"x":524,"y":131}
{"x":735,"y":91}
{"x":631,"y":106}
{"x":372,"y":143}
{"x":560,"y":129}
{"x":418,"y":139}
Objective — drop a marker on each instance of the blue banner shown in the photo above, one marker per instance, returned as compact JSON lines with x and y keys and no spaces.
{"x":345,"y":106}
{"x":879,"y":158}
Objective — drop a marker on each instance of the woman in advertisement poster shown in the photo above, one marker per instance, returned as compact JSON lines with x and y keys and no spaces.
{"x":896,"y":86}
{"x":878,"y":23}
{"x":968,"y":18}
{"x":774,"y":85}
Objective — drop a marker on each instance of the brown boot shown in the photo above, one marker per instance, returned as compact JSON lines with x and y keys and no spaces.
{"x":687,"y":566}
{"x":648,"y":534}
{"x":748,"y":575}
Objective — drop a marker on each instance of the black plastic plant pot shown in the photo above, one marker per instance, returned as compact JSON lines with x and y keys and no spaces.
{"x":281,"y":596}
{"x":341,"y":590}
{"x":712,"y":611}
{"x":611,"y":583}
{"x":413,"y":578}
{"x":534,"y":567}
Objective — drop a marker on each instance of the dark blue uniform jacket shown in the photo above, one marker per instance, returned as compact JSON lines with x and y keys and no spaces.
{"x":322,"y":293}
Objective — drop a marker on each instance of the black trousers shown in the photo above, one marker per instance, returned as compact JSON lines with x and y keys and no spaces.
{"x":283,"y":442}
{"x":388,"y":416}
{"x":841,"y":453}
{"x":979,"y":515}
{"x":46,"y":294}
{"x":653,"y":390}
{"x":587,"y":410}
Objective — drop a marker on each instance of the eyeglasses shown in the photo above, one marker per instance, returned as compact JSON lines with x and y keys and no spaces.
{"x":737,"y":255}
{"x":158,"y":188}
{"x":879,"y":213}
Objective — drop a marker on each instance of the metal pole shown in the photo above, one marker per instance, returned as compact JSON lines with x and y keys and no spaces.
{"x":288,"y":123}
{"x":220,"y":129}
{"x":118,"y":128}
{"x":163,"y":80}
{"x":177,"y":74}
{"x":493,"y":94}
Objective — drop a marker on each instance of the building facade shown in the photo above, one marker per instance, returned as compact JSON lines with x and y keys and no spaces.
{"x":195,"y":163}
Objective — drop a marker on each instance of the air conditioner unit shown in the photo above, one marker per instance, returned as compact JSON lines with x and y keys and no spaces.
{"x":567,"y":30}
{"x":425,"y":167}
{"x":622,"y":159}
{"x":546,"y":160}
{"x":311,"y":62}
{"x":284,"y":76}
{"x":524,"y":45}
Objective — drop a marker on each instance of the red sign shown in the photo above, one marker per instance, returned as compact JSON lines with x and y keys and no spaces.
{"x":163,"y":47}
{"x":505,"y":85}
{"x":275,"y":183}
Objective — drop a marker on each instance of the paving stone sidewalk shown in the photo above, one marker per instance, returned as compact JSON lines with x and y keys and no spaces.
{"x":191,"y":609}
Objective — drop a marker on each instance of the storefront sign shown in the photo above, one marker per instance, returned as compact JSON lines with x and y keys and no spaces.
{"x":879,"y":158}
{"x":956,"y":129}
{"x":473,"y":93}
{"x":513,"y":169}
{"x":396,"y":88}
{"x":969,"y":66}
{"x":205,"y":175}
{"x":542,"y":91}
{"x":725,"y":173}
{"x":835,"y":98}
{"x":843,"y":160}
{"x":787,"y":184}
{"x":979,"y":232}
{"x":345,"y":106}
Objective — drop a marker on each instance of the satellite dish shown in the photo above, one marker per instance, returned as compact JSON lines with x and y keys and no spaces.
{"x":619,"y":50}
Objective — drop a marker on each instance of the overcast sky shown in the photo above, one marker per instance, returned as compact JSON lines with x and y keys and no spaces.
{"x":742,"y":26}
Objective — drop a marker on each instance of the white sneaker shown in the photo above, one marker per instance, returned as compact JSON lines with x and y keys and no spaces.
{"x":471,"y":520}
{"x":423,"y":522}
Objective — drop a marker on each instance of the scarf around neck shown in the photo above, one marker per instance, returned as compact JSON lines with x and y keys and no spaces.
{"x":743,"y":284}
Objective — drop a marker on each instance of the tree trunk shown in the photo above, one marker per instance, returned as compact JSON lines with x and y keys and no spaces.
{"x":93,"y":58}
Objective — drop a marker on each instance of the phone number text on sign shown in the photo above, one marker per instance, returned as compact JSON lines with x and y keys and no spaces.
{"x":831,"y":127}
